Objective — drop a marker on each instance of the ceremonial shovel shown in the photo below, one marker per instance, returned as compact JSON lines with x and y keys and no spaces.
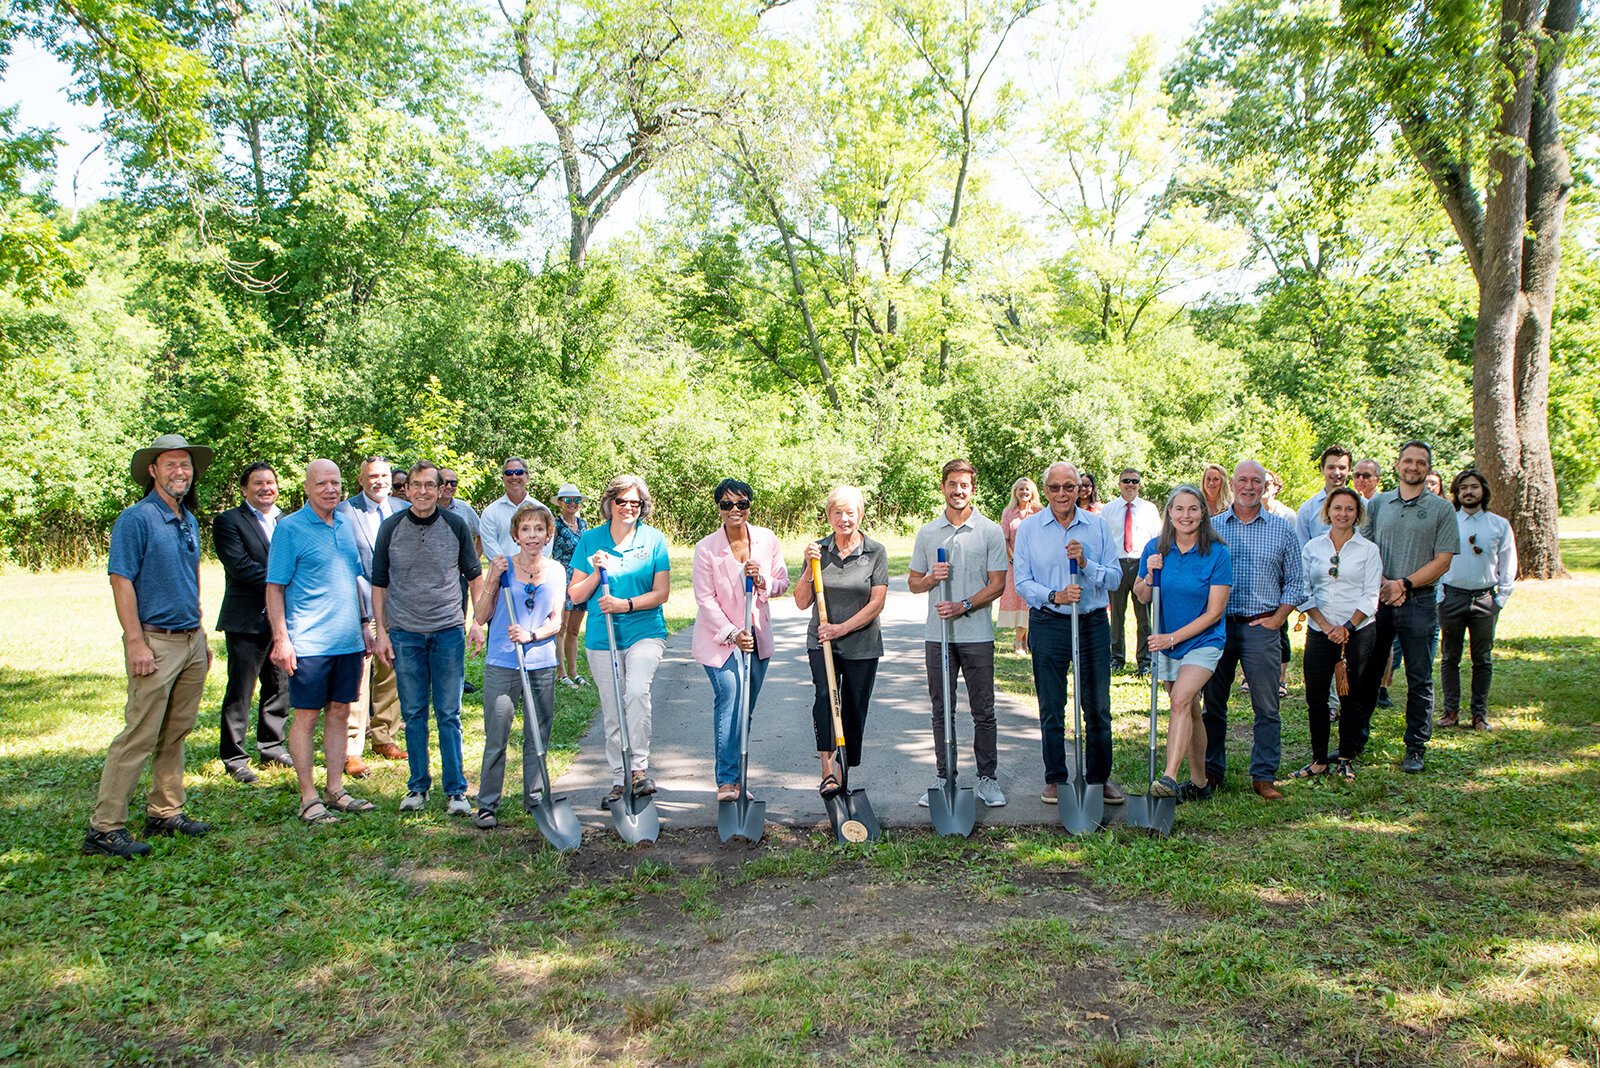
{"x":1147,"y":812}
{"x":744,"y":818}
{"x":553,"y":815}
{"x":634,"y":817}
{"x":953,"y":810}
{"x":1082,"y":806}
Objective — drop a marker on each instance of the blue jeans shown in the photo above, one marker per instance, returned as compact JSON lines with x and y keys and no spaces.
{"x":1050,"y":642}
{"x":1259,"y":651}
{"x":1415,"y":625}
{"x":431,"y":665}
{"x":728,"y":707}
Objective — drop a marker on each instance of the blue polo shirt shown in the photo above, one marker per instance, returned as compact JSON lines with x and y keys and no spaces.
{"x":158,"y":551}
{"x":1186,"y":581}
{"x":633,"y":574}
{"x":317,"y":563}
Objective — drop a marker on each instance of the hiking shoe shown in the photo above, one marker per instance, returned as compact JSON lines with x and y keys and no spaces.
{"x":642,"y":784}
{"x":1413,"y":761}
{"x":179,"y":824}
{"x":1191,"y":791}
{"x":415,"y":801}
{"x":614,"y":796}
{"x":989,"y":792}
{"x":485,"y":820}
{"x":117,"y":843}
{"x":938,"y":784}
{"x":457,"y":805}
{"x":1481,"y":723}
{"x":1166,"y":786}
{"x":1383,"y":698}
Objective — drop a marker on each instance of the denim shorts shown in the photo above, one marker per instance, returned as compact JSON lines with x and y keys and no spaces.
{"x":1206,"y":656}
{"x":317,"y":680}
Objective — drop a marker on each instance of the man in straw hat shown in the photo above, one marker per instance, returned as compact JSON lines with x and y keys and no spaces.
{"x":155,"y":582}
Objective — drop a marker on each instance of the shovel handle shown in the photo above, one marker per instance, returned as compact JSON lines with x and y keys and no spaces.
{"x":827,"y":655}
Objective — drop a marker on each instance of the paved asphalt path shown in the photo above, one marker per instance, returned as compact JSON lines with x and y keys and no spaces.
{"x":897,"y":753}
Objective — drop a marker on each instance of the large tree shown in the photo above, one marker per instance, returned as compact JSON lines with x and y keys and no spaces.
{"x":1471,"y":89}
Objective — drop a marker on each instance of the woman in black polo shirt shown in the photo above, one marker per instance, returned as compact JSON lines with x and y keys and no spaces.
{"x":855,"y":581}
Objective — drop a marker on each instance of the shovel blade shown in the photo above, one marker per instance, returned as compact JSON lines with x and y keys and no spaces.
{"x":741,"y":819}
{"x":558,"y":823}
{"x":953,"y":809}
{"x":1082,"y":807}
{"x":1141,"y":811}
{"x":852,"y":817}
{"x":1162,"y":810}
{"x":636,"y":819}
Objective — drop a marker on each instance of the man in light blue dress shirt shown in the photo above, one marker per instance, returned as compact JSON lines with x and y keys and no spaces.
{"x":1045,"y":542}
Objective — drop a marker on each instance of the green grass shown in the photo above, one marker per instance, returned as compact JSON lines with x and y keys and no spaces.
{"x":1450,"y":918}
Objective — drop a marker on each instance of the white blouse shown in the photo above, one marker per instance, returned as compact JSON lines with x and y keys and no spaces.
{"x":1354,"y":589}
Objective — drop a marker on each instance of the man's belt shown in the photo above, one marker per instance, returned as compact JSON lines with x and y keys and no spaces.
{"x":164,"y":630}
{"x":1252,"y":619}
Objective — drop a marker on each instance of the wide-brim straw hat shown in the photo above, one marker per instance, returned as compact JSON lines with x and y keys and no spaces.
{"x":199,"y":455}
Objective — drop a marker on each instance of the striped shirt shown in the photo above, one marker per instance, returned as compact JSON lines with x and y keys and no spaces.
{"x":1266,"y":562}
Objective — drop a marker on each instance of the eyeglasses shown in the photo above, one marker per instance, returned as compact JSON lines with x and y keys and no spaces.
{"x":415,"y":485}
{"x":728,"y":506}
{"x":1130,"y":482}
{"x":1472,"y":540}
{"x":1061,"y":487}
{"x":514,"y":473}
{"x":451,"y":482}
{"x":1333,"y":572}
{"x":627,"y":502}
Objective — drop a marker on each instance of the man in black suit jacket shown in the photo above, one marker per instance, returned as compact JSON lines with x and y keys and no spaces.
{"x":242,"y":536}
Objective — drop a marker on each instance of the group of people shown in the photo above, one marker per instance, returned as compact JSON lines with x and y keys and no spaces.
{"x":358,"y":611}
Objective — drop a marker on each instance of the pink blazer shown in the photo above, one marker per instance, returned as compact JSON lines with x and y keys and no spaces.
{"x":719,"y":591}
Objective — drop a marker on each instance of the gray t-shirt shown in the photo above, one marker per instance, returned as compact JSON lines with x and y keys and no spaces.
{"x":847,"y":584}
{"x":1409,"y":533}
{"x":422,"y":562}
{"x":974,"y":549}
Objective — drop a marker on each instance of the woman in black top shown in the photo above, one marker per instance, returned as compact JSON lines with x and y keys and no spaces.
{"x":855,"y":582}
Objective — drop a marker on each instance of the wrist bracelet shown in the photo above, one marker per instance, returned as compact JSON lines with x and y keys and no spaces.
{"x":630,"y":604}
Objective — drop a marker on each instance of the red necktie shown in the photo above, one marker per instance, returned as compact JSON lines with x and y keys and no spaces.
{"x":1127,"y":528}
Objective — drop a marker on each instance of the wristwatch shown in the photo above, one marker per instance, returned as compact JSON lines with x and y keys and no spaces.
{"x":1406,"y":582}
{"x":1051,"y":597}
{"x":966,"y":607}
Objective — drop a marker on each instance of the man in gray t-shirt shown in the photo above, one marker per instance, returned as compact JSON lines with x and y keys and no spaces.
{"x":975,"y":555}
{"x":421,"y":556}
{"x":1417,"y":537}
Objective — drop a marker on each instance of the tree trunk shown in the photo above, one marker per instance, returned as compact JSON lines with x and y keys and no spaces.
{"x":1516,"y":288}
{"x":805,"y":304}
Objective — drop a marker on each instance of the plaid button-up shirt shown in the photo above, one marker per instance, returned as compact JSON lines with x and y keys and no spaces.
{"x":1266,"y":562}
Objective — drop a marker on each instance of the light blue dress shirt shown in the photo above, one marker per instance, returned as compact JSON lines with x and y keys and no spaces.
{"x":1040,"y":560}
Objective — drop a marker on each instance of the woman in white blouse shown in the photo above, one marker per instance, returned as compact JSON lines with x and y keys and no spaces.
{"x":1342,"y":571}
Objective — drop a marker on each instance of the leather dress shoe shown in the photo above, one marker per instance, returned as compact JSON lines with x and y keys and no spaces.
{"x":282,"y":760}
{"x":389,"y":751}
{"x":243,"y":774}
{"x":1112,"y":795}
{"x":1266,"y":791}
{"x":355,"y":767}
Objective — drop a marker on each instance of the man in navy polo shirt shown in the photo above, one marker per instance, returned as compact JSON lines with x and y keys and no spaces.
{"x":155,"y":582}
{"x":315,"y":608}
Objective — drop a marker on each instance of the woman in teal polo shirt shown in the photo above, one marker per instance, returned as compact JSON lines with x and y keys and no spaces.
{"x":1196,"y":575}
{"x":639,"y":573}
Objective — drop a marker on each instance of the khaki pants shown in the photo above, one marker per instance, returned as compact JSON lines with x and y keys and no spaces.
{"x":161,"y":710}
{"x":375,"y":713}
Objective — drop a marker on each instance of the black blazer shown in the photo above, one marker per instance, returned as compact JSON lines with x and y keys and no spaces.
{"x":241,"y":545}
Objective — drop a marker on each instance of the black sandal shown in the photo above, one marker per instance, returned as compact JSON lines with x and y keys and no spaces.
{"x":830,"y":785}
{"x":1309,"y":772}
{"x":344,"y":802}
{"x":318,"y":818}
{"x":1345,"y":770}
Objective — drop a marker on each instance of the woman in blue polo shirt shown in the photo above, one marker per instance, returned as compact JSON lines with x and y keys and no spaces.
{"x":639,"y":572}
{"x":1196,"y":575}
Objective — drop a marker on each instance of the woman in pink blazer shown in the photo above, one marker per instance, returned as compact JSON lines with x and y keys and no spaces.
{"x":721,"y":561}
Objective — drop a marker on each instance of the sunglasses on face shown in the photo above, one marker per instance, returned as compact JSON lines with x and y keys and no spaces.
{"x":1061,"y":487}
{"x":514,"y":473}
{"x":728,"y":506}
{"x":624,"y":502}
{"x":1130,"y":482}
{"x":450,"y":482}
{"x":1363,"y":474}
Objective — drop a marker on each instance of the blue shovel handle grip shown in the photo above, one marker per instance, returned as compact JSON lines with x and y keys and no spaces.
{"x":941,"y":556}
{"x":1155,"y":578}
{"x":1072,"y":566}
{"x":749,"y":584}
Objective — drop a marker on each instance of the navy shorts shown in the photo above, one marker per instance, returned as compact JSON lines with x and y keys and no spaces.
{"x":318,"y":680}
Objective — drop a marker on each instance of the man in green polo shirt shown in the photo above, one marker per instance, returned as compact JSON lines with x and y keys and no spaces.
{"x":1417,"y":536}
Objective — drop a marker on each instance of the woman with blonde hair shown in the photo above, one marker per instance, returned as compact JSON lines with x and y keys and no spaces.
{"x":1013,"y":609}
{"x":855,"y":581}
{"x":1214,"y":488}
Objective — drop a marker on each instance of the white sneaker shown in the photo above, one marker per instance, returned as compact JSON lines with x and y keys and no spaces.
{"x":569,"y":683}
{"x":938,"y":784}
{"x":989,"y":792}
{"x":457,"y":805}
{"x":414,"y":802}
